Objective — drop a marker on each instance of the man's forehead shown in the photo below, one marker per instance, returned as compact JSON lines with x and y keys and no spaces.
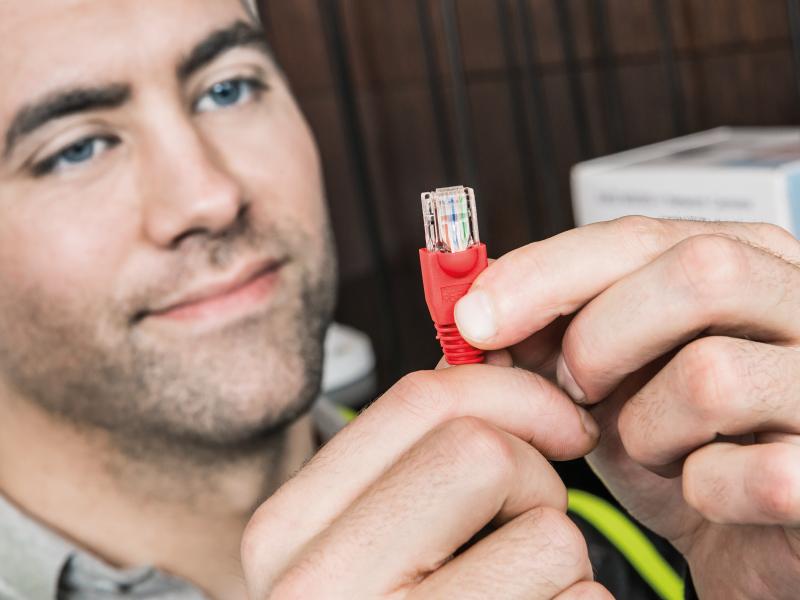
{"x":49,"y":44}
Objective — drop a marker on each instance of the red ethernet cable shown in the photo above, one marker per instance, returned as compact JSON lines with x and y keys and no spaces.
{"x":452,"y":259}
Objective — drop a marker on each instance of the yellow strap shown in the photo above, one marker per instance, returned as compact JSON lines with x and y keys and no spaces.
{"x":630,"y":541}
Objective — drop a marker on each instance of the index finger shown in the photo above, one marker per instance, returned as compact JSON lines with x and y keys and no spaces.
{"x":527,"y":289}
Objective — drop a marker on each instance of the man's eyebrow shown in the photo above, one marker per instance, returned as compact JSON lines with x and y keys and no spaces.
{"x":61,"y":104}
{"x":67,"y":102}
{"x":218,"y":42}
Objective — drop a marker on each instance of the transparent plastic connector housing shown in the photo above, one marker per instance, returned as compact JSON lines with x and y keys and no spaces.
{"x":451,"y":221}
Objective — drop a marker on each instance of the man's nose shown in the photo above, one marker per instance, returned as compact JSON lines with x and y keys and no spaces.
{"x":190,"y":192}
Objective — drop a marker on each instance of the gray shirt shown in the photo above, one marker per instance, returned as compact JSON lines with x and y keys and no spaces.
{"x":38,"y":564}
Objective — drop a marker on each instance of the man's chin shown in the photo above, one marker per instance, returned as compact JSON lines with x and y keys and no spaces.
{"x":229,"y":392}
{"x":213,"y":428}
{"x":241,"y":396}
{"x":232,"y":434}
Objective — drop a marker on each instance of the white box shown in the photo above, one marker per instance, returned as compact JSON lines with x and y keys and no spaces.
{"x":725,"y":174}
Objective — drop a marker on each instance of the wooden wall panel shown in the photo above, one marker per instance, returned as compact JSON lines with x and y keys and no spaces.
{"x":733,"y":64}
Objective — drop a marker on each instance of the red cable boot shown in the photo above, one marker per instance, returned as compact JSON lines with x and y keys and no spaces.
{"x":452,"y":259}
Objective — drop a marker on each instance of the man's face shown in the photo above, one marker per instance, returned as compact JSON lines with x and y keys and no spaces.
{"x":165,"y":262}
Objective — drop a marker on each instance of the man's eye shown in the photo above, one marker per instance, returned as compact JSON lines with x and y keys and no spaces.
{"x":229,"y":93}
{"x":80,"y":152}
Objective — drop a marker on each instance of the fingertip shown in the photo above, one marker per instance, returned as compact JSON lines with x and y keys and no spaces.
{"x":566,"y":381}
{"x":579,"y":437}
{"x":476,"y":318}
{"x":589,"y":423}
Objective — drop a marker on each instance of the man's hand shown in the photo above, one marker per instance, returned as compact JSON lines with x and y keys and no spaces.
{"x":689,"y":335}
{"x":384,"y":508}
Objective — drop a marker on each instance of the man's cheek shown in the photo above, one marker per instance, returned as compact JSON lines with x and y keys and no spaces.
{"x":57,"y":268}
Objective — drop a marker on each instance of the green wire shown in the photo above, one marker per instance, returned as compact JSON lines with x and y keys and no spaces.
{"x":347,"y":413}
{"x":630,"y":541}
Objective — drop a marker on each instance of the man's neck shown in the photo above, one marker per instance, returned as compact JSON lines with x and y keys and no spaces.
{"x":134,"y":513}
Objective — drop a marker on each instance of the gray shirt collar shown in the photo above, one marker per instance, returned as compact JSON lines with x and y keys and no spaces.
{"x":31,"y":556}
{"x":36,"y":563}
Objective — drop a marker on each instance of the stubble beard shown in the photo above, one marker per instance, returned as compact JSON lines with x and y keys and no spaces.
{"x":206,"y":399}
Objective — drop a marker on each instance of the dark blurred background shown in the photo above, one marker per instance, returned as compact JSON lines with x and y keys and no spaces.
{"x":505,"y":96}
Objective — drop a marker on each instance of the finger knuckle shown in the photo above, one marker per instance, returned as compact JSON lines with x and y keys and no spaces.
{"x":521,"y":383}
{"x":259,"y":550}
{"x":479,"y":448}
{"x":527,"y":259}
{"x":588,"y":591}
{"x":776,"y":238}
{"x":713,"y":266}
{"x":581,"y":349}
{"x":636,"y":425}
{"x":264,"y":545}
{"x":643,"y":235}
{"x":254,"y":537}
{"x":598,"y":592}
{"x":554,"y":532}
{"x":709,"y":375}
{"x":776,"y":486}
{"x":300,"y":581}
{"x":708,"y":494}
{"x":422,"y":394}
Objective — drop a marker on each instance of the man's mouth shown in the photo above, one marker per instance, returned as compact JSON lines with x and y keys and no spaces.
{"x":238,"y":292}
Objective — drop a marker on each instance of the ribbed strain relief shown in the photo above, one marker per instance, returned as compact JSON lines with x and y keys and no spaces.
{"x":456,"y":350}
